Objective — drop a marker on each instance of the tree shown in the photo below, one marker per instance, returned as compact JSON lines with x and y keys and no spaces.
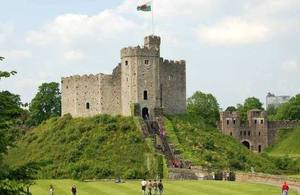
{"x":205,"y":106}
{"x":45,"y":104}
{"x":289,"y":110}
{"x":12,"y":181}
{"x":249,"y":104}
{"x":230,"y":109}
{"x":6,"y":74}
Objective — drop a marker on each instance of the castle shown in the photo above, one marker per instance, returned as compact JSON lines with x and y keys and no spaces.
{"x":257,"y":132}
{"x":142,"y":84}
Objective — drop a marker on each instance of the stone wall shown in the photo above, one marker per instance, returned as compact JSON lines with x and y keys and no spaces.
{"x":173,"y":86}
{"x":274,"y":125}
{"x":81,"y":95}
{"x":176,"y":174}
{"x":267,"y":179}
{"x":89,"y":95}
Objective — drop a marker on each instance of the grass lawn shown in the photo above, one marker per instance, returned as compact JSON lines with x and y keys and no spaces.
{"x":62,"y":187}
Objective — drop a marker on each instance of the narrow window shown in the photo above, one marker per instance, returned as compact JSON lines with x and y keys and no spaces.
{"x":245,"y":132}
{"x":87,"y":105}
{"x":230,"y":133}
{"x":249,"y":133}
{"x":145,"y":95}
{"x":227,"y":122}
{"x":126,"y":62}
{"x":258,"y":133}
{"x":261,"y":121}
{"x":255,"y":121}
{"x":233,"y":121}
{"x":146,"y":61}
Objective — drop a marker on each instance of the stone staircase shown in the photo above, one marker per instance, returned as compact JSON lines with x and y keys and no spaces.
{"x":178,"y":168}
{"x":155,"y":130}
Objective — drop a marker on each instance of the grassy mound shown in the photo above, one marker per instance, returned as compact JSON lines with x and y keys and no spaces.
{"x":62,"y":187}
{"x":206,"y":146}
{"x":85,"y":148}
{"x":287,"y":143}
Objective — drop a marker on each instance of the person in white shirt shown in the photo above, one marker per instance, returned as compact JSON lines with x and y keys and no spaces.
{"x":144,"y":184}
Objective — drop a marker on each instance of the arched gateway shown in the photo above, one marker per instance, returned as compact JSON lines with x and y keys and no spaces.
{"x":246,"y":143}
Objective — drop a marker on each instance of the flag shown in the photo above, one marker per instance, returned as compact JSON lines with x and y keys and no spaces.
{"x":145,"y":7}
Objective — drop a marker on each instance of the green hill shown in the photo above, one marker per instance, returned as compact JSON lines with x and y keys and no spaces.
{"x":287,"y":143}
{"x":98,"y":147}
{"x":105,"y":146}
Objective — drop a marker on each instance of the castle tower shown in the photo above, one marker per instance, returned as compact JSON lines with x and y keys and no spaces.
{"x":258,"y":126}
{"x":230,"y":123}
{"x":140,"y":77}
{"x":152,"y":42}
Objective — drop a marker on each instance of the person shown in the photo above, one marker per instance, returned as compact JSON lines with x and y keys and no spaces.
{"x":144,"y":184}
{"x":73,"y":189}
{"x":150,"y":185}
{"x":51,"y":189}
{"x":285,"y":188}
{"x":118,"y":179}
{"x":155,"y":187}
{"x":160,"y":187}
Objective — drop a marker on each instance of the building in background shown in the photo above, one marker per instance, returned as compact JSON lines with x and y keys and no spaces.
{"x":272,"y":100}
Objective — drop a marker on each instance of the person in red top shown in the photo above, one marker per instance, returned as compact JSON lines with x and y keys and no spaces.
{"x":285,"y":188}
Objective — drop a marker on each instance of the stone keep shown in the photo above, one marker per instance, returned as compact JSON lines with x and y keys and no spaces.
{"x":143,"y":84}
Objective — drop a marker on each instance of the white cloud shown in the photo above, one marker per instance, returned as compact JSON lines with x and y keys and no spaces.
{"x":71,"y":27}
{"x":233,"y":30}
{"x":291,"y":66}
{"x":73,"y":55}
{"x":16,"y":54}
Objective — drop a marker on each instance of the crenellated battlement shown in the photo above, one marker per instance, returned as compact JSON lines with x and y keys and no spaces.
{"x":227,"y":114}
{"x":84,"y":77}
{"x":173,"y":62}
{"x":139,"y":51}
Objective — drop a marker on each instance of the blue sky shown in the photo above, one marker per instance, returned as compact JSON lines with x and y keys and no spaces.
{"x":233,"y":49}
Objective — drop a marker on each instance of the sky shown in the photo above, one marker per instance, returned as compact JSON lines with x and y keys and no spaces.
{"x":233,"y":49}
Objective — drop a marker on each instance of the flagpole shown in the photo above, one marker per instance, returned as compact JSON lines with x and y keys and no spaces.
{"x":152,"y":13}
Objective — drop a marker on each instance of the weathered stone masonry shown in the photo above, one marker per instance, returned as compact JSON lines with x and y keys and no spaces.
{"x":257,"y":132}
{"x":143,"y":79}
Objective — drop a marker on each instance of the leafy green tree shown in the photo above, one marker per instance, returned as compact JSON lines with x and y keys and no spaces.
{"x":249,"y":104}
{"x":230,"y":109}
{"x":289,"y":110}
{"x":271,"y":111}
{"x":205,"y":106}
{"x":45,"y":104}
{"x":17,"y":181}
{"x":5,"y":74}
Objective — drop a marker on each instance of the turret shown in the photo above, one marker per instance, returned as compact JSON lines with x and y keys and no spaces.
{"x":152,"y":42}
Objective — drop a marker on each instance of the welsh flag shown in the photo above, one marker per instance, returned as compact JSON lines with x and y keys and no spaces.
{"x":145,"y":7}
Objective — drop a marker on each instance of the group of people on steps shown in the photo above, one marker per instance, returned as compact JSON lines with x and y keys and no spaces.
{"x":152,"y":187}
